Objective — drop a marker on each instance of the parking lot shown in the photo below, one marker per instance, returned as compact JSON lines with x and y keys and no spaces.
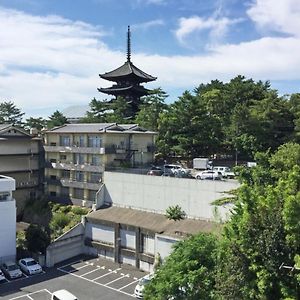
{"x":87,"y":278}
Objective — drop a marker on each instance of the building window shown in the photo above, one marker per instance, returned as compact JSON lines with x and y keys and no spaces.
{"x":79,"y":141}
{"x":53,"y":160}
{"x":94,"y":141}
{"x":96,"y":160}
{"x":95,"y":177}
{"x":64,"y":191}
{"x":65,"y":174}
{"x":79,"y":175}
{"x":53,"y":177}
{"x":53,"y":194}
{"x":78,"y":193}
{"x":62,"y":156}
{"x":79,"y":158}
{"x":147,"y":243}
{"x":65,"y":140}
{"x":92,"y":195}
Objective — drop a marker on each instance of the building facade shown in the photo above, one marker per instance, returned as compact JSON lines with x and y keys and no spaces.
{"x":77,"y":154}
{"x":7,"y":219}
{"x":21,"y":157}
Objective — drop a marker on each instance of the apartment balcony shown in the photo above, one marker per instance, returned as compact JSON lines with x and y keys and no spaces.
{"x":107,"y":149}
{"x":78,"y":167}
{"x":80,"y":184}
{"x":27,"y":184}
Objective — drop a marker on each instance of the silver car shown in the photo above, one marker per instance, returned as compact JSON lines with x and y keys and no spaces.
{"x":11,"y":270}
{"x":208,"y":174}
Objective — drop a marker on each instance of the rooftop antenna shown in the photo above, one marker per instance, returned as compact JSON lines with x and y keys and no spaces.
{"x":128,"y":45}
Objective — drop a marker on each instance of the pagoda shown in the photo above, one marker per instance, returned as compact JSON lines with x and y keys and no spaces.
{"x":128,"y":79}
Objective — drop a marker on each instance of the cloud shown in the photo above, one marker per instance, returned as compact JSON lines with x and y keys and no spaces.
{"x":281,"y":16}
{"x":217,"y":27}
{"x":50,"y":62}
{"x":147,"y":25}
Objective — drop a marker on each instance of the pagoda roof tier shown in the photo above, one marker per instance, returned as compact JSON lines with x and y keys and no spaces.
{"x":115,"y":90}
{"x":128,"y":69}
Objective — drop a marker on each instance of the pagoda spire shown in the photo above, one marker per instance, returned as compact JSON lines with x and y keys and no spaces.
{"x":128,"y":44}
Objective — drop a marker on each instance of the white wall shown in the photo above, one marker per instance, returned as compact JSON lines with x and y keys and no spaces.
{"x":98,"y":232}
{"x":127,"y":238}
{"x":163,"y":245}
{"x":156,"y":193}
{"x":7,"y":230}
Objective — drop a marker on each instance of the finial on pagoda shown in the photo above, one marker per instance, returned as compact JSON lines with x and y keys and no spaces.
{"x":128,"y":44}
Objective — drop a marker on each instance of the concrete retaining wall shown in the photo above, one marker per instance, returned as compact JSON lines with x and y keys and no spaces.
{"x":156,"y":194}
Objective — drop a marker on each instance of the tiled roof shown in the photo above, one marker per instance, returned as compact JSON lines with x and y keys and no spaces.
{"x":128,"y":68}
{"x":98,"y":128}
{"x":157,"y":223}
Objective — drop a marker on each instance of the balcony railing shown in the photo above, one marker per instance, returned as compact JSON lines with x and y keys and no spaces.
{"x":27,"y":184}
{"x":80,"y":185}
{"x":71,"y":166}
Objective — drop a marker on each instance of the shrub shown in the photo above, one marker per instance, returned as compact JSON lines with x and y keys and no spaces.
{"x":79,"y":210}
{"x":175,"y":213}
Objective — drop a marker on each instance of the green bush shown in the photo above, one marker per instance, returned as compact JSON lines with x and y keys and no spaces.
{"x":37,"y":238}
{"x":59,"y":220}
{"x":175,"y":213}
{"x":79,"y":210}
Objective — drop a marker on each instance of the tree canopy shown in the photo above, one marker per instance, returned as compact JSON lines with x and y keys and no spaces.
{"x":10,"y":114}
{"x":262,"y":235}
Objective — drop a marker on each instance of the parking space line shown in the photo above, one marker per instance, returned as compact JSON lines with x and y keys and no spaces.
{"x":115,"y":280}
{"x":89,"y":272}
{"x":114,"y":271}
{"x":28,"y":295}
{"x":125,"y":286}
{"x":75,"y":262}
{"x":95,"y":282}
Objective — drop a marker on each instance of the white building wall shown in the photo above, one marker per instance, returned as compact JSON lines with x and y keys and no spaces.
{"x":163,"y":245}
{"x":127,"y":238}
{"x":7,"y":220}
{"x":156,"y":194}
{"x":98,"y":232}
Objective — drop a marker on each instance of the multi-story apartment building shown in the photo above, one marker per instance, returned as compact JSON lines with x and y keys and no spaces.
{"x":21,"y":157}
{"x":77,"y":154}
{"x":7,"y":219}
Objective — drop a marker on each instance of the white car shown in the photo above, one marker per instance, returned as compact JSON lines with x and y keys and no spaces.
{"x":11,"y":270}
{"x":30,"y":266}
{"x":2,"y":277}
{"x":208,"y":174}
{"x":63,"y":295}
{"x":139,"y":289}
{"x":225,"y":171}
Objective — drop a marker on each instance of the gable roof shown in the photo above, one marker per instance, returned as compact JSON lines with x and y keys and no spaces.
{"x":4,"y":130}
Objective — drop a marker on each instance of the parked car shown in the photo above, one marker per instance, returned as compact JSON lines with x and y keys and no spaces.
{"x":139,"y":289}
{"x":30,"y":266}
{"x":155,"y":171}
{"x":225,"y":171}
{"x":208,"y":174}
{"x":11,"y":270}
{"x":2,"y":277}
{"x":63,"y":295}
{"x":173,"y":170}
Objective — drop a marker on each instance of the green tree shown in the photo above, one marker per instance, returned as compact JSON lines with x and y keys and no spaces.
{"x":188,"y":273}
{"x":264,"y":230}
{"x":37,"y":123}
{"x":56,"y":119}
{"x":37,"y":238}
{"x":153,"y":105}
{"x":98,"y":112}
{"x":10,"y":114}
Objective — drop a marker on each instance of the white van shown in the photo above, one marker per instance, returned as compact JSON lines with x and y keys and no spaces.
{"x":63,"y":295}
